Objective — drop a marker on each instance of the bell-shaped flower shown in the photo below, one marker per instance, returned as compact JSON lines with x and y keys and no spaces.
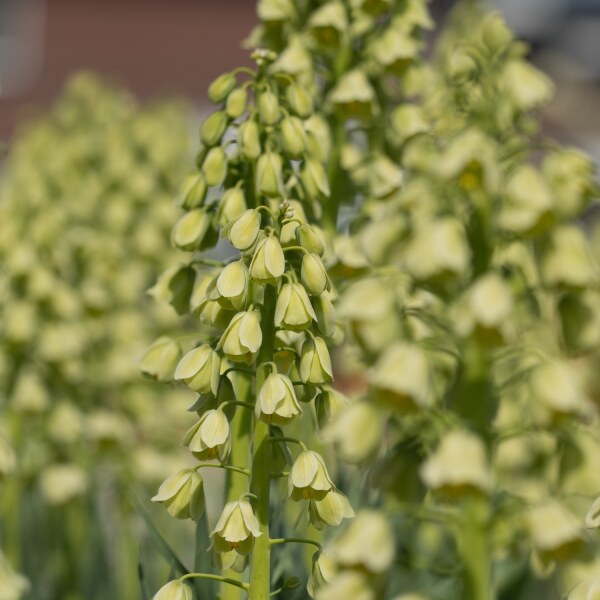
{"x":447,"y":472}
{"x":315,"y":362}
{"x":524,"y":85}
{"x":182,"y":495}
{"x":332,"y":509}
{"x":175,"y":287}
{"x":299,"y":100}
{"x":200,"y":369}
{"x":268,"y":262}
{"x":308,"y":478}
{"x":236,"y":529}
{"x":232,"y":205}
{"x":194,"y":230}
{"x":367,"y":543}
{"x":242,"y":339}
{"x":293,"y":137}
{"x":356,"y":432}
{"x":588,"y":589}
{"x":408,"y":120}
{"x":192,"y":192}
{"x":318,"y":137}
{"x":353,"y":95}
{"x":401,"y":377}
{"x":220,"y":88}
{"x":231,"y":286}
{"x":268,"y":107}
{"x":322,"y":572}
{"x":294,"y":310}
{"x":269,"y":175}
{"x":329,"y":403}
{"x":277,"y":402}
{"x":328,"y":23}
{"x":385,"y":176}
{"x":555,"y":531}
{"x":210,"y":437}
{"x":275,"y":11}
{"x":313,"y":274}
{"x":214,"y":166}
{"x":326,"y":315}
{"x":345,"y":585}
{"x":314,"y":179}
{"x":160,"y":359}
{"x":242,"y":232}
{"x":249,"y":140}
{"x":213,"y":128}
{"x":310,"y":238}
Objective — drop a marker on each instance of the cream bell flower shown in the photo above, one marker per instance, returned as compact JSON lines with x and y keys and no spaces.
{"x":182,"y":495}
{"x":322,"y":572}
{"x":308,"y":477}
{"x":209,"y":438}
{"x":332,"y":509}
{"x":268,"y":262}
{"x":315,"y":362}
{"x":160,"y":359}
{"x":243,"y":231}
{"x":174,"y":590}
{"x":313,"y":274}
{"x":236,"y":529}
{"x":231,"y":286}
{"x":242,"y":339}
{"x":276,"y":402}
{"x":294,"y":310}
{"x":200,"y":369}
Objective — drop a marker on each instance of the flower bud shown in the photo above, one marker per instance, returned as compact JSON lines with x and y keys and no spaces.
{"x":315,"y":362}
{"x":367,"y":543}
{"x":214,"y":166}
{"x":313,"y":274}
{"x":268,"y":107}
{"x":447,"y":472}
{"x":200,"y":369}
{"x":332,"y":509}
{"x":326,"y":315}
{"x":242,"y":232}
{"x":194,"y":230}
{"x":249,"y":140}
{"x":269,"y":171}
{"x":268,"y":262}
{"x":160,"y":359}
{"x":236,"y":103}
{"x":356,"y":432}
{"x":322,"y":572}
{"x":232,"y":286}
{"x":495,"y":33}
{"x":299,"y":100}
{"x":294,"y":310}
{"x":401,"y":377}
{"x":353,"y":95}
{"x":236,"y":529}
{"x":276,"y":402}
{"x":213,"y":128}
{"x":310,"y":238}
{"x":242,"y":339}
{"x":293,"y":138}
{"x":183,"y":495}
{"x":174,"y":590}
{"x":209,"y":438}
{"x":192,"y":191}
{"x":232,"y":205}
{"x":309,"y":477}
{"x":314,"y":179}
{"x":220,"y":88}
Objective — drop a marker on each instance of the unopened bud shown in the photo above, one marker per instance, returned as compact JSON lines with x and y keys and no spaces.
{"x":236,"y":103}
{"x":268,"y":107}
{"x":220,"y":88}
{"x":315,"y":362}
{"x":213,"y":128}
{"x":293,"y":138}
{"x":249,"y":140}
{"x":214,"y":166}
{"x":299,"y":100}
{"x":269,"y":170}
{"x":192,"y":191}
{"x":242,"y":232}
{"x":314,"y":276}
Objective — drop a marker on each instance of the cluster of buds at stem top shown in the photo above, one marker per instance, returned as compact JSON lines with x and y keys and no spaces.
{"x":259,"y":185}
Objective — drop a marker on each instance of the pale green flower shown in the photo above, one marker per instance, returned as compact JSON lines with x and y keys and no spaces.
{"x":555,"y":532}
{"x":231,"y":286}
{"x":232,"y":205}
{"x":214,"y":167}
{"x":346,"y":585}
{"x":315,"y":362}
{"x":183,"y":495}
{"x":353,"y":95}
{"x":328,"y":23}
{"x":192,"y":191}
{"x":249,"y":140}
{"x":526,"y":86}
{"x":314,"y":275}
{"x":308,"y":478}
{"x":310,"y":238}
{"x":293,"y":138}
{"x":299,"y":100}
{"x":160,"y":359}
{"x":322,"y":572}
{"x":332,"y":509}
{"x":242,"y":339}
{"x":242,"y":232}
{"x":276,"y":402}
{"x":268,"y":107}
{"x":268,"y":261}
{"x":236,"y":103}
{"x":220,"y":88}
{"x":213,"y":128}
{"x":294,"y":310}
{"x":236,"y":529}
{"x":210,"y":437}
{"x":328,"y":404}
{"x":200,"y":369}
{"x":62,"y":483}
{"x":314,"y":179}
{"x":194,"y":230}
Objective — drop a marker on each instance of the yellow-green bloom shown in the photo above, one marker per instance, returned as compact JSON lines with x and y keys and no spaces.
{"x":276,"y":402}
{"x":242,"y":339}
{"x":294,"y":310}
{"x":309,"y":477}
{"x":326,"y":315}
{"x":555,"y":531}
{"x":232,"y":286}
{"x":268,"y":107}
{"x":299,"y":100}
{"x":332,"y":509}
{"x":236,"y":103}
{"x":63,"y":483}
{"x":314,"y":179}
{"x":210,"y":437}
{"x":268,"y":262}
{"x":236,"y":529}
{"x":525,"y":86}
{"x":232,"y":205}
{"x":347,"y":584}
{"x":160,"y":359}
{"x":310,"y":238}
{"x":193,"y":191}
{"x":293,"y":138}
{"x":322,"y":572}
{"x":183,"y":495}
{"x":242,"y":232}
{"x":315,"y":362}
{"x":314,"y":276}
{"x":328,"y":23}
{"x":249,"y":140}
{"x":194,"y":230}
{"x":220,"y":88}
{"x":353,"y":95}
{"x":329,"y":403}
{"x":200,"y":369}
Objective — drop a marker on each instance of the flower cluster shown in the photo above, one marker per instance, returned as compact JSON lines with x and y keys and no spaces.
{"x":266,"y":312}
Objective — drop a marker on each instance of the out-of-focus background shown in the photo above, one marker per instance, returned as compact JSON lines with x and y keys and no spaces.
{"x":156,"y":47}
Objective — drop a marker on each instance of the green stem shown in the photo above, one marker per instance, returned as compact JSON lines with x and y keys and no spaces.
{"x":234,"y":582}
{"x":295,"y":540}
{"x":225,"y":467}
{"x":260,"y":566}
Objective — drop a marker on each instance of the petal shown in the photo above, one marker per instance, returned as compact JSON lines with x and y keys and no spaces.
{"x":192,"y":362}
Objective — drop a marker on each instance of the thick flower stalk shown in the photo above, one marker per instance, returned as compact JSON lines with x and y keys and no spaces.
{"x":267,"y":318}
